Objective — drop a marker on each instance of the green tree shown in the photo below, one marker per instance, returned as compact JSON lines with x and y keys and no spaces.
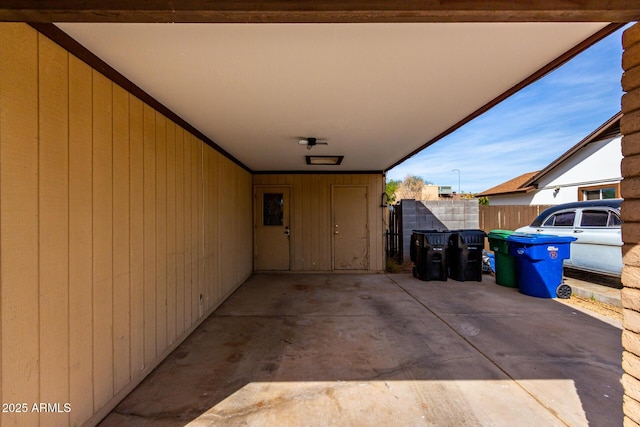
{"x":391,"y":188}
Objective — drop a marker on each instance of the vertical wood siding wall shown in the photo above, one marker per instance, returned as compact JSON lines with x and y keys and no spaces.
{"x":311,"y":228}
{"x":630,"y":191}
{"x":119,"y":233}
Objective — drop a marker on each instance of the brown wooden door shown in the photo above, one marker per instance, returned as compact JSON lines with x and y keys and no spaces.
{"x":350,"y":228}
{"x":272,"y":228}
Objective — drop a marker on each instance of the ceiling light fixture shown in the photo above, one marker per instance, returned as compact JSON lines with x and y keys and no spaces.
{"x":324,"y":160}
{"x":312,"y":142}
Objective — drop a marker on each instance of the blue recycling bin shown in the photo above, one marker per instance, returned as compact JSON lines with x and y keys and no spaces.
{"x":539,"y":263}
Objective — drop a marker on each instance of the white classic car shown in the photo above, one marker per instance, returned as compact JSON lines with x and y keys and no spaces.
{"x":595,"y":224}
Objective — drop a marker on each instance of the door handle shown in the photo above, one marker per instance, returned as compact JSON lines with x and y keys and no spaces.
{"x":577,"y":231}
{"x":287,"y":232}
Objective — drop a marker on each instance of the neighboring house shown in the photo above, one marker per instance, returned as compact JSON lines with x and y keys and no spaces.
{"x":510,"y":190}
{"x":589,"y":170}
{"x":430,"y":192}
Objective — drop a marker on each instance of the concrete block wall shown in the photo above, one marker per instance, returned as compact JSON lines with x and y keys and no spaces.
{"x":630,"y":190}
{"x":437,"y":215}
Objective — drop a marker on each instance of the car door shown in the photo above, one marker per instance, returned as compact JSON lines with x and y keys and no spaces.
{"x":599,"y":244}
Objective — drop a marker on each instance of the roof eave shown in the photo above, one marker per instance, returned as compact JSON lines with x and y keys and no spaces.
{"x":593,"y":136}
{"x":277,"y":11}
{"x":561,"y":60}
{"x":528,"y":189}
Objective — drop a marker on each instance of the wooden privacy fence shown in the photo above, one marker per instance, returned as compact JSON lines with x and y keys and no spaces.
{"x":508,"y":217}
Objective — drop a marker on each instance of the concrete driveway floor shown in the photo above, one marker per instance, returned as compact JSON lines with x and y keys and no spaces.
{"x":373,"y":350}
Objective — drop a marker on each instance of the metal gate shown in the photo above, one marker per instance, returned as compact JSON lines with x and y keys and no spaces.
{"x":393,"y":236}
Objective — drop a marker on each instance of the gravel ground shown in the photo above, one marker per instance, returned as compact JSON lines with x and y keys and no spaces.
{"x":590,"y":305}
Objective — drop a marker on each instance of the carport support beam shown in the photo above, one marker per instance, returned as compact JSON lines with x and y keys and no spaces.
{"x":630,"y":189}
{"x":272,"y":11}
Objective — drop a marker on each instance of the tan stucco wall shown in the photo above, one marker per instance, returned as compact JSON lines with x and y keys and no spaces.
{"x":430,"y":192}
{"x":119,"y":233}
{"x":311,"y":243}
{"x":630,"y":189}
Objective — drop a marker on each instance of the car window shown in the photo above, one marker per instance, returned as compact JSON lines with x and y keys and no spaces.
{"x":561,"y":219}
{"x":594,"y":218}
{"x":614,"y":220}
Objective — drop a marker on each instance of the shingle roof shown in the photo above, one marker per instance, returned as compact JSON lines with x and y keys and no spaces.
{"x":511,"y":186}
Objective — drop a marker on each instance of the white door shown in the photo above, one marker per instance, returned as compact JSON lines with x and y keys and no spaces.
{"x":350,"y":228}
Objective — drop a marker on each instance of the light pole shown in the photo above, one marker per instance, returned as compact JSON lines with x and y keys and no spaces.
{"x":458,"y":170}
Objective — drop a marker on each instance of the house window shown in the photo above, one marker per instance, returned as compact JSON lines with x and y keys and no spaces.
{"x":599,"y":192}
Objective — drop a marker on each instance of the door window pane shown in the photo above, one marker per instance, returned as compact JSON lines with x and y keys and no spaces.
{"x":594,"y":218}
{"x":549,"y":221}
{"x":272,"y":211}
{"x":614,"y":220}
{"x":563,"y":219}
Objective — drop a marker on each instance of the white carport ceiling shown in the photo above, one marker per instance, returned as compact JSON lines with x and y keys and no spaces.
{"x":377,"y":92}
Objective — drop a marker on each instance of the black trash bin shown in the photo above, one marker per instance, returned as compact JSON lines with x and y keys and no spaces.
{"x":464,"y":254}
{"x":417,"y":239}
{"x":429,"y":253}
{"x":416,"y":243}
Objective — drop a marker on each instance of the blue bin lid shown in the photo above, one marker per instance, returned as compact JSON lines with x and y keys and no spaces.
{"x":539,"y":239}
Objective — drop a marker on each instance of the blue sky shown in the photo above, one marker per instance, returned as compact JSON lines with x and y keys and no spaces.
{"x":530,"y":129}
